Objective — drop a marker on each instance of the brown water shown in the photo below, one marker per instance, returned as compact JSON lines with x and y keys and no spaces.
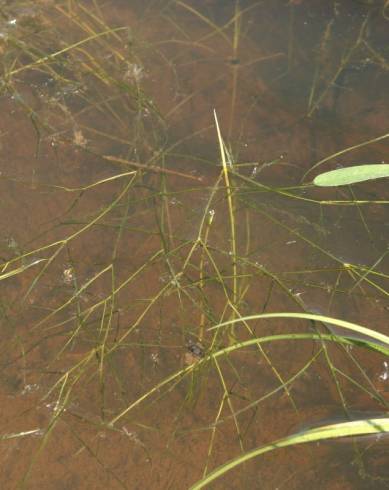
{"x":123,"y":286}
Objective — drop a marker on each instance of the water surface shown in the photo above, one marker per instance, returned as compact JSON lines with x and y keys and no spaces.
{"x":118,"y":271}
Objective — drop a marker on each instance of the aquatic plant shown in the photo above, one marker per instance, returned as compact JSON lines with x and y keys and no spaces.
{"x":136,"y":293}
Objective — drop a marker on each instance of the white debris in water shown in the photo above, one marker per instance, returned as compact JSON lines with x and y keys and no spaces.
{"x":297,"y":294}
{"x":154,"y":358}
{"x":164,"y":277}
{"x":78,"y":138}
{"x":29,"y":389}
{"x":133,"y":436}
{"x":134,"y":73}
{"x":68,"y":275}
{"x":384,"y":376}
{"x":54,"y":406}
{"x":38,"y":433}
{"x":254,"y":171}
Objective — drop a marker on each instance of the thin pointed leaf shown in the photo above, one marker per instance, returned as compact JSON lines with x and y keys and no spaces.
{"x":333,"y":431}
{"x":21,"y":269}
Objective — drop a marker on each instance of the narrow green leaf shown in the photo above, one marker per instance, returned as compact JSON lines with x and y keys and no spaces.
{"x":343,"y":429}
{"x":362,"y":333}
{"x":21,"y":269}
{"x":352,"y":175}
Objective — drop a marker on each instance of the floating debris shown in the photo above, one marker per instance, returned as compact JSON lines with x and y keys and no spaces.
{"x":68,"y":275}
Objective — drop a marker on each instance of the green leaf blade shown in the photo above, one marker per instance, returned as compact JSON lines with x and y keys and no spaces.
{"x":333,"y":431}
{"x":352,"y":175}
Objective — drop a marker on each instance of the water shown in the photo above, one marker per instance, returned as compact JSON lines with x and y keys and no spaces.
{"x":115,"y":276}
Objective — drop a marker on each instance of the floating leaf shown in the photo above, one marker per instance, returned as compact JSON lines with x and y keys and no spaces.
{"x":351,"y":175}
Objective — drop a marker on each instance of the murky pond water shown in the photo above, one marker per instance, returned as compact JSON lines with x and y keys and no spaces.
{"x":125,"y":239}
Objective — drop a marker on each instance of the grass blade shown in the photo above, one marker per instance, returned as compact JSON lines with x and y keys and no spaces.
{"x":332,"y":431}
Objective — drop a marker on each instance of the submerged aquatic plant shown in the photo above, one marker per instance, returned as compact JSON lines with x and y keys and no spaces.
{"x":147,"y":276}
